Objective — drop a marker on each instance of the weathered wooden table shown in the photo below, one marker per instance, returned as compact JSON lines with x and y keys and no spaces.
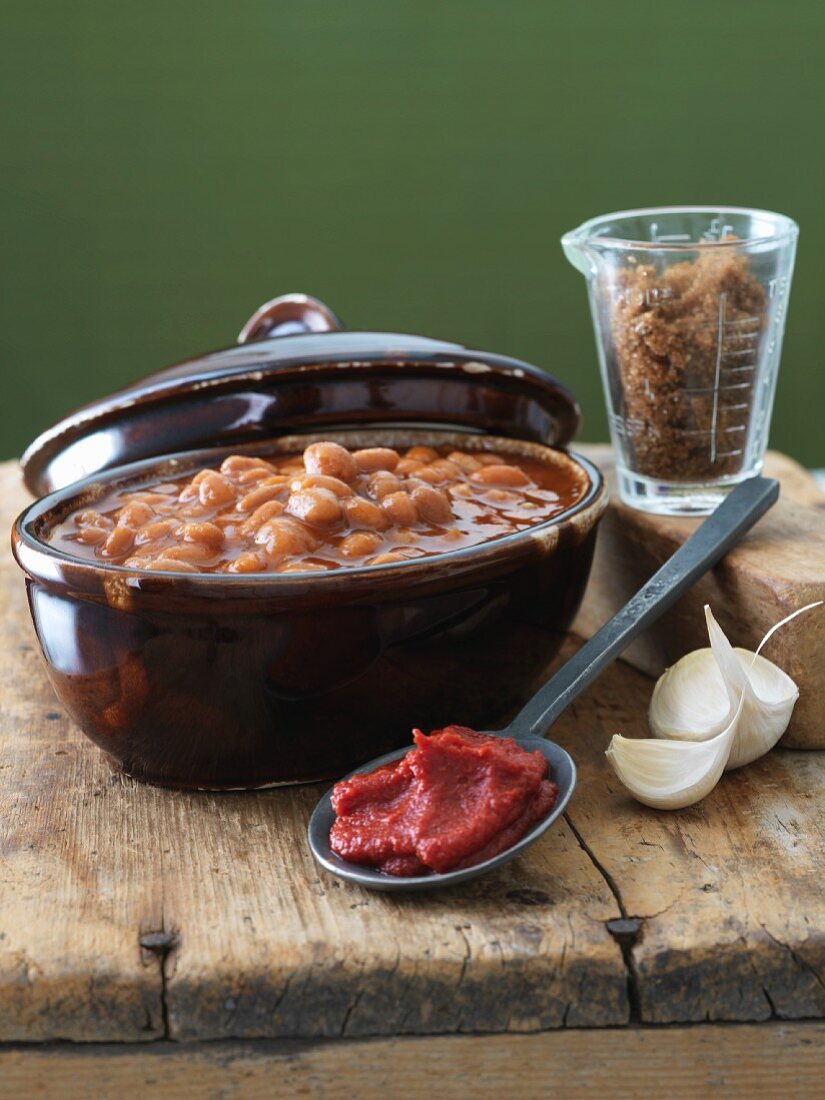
{"x":187,"y":944}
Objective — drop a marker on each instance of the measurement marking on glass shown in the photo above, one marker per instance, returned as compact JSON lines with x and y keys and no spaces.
{"x":714,"y":416}
{"x":722,"y":389}
{"x":734,"y":323}
{"x":657,"y":238}
{"x":704,"y":431}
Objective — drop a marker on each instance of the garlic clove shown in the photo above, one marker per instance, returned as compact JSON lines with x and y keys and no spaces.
{"x":768,"y":696}
{"x":690,"y":701}
{"x":696,"y":698}
{"x":669,"y":775}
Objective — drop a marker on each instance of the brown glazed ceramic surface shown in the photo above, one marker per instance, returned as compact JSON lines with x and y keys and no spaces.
{"x":293,"y":367}
{"x":223,"y":681}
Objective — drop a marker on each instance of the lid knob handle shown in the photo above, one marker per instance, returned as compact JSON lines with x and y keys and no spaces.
{"x":287,"y":315}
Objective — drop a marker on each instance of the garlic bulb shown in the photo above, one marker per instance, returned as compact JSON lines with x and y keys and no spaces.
{"x":716,"y":708}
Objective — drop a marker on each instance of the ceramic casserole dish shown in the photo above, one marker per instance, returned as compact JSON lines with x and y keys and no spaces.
{"x":220,"y":681}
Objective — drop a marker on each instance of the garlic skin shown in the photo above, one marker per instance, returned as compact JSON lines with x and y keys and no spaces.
{"x":696,"y":699}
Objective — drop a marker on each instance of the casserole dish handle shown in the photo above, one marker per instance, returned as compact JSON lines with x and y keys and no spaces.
{"x":288,"y":315}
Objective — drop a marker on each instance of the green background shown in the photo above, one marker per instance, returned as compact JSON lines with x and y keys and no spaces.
{"x":165,"y":167}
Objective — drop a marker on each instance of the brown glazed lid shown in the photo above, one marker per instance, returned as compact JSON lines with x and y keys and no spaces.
{"x":295,"y":368}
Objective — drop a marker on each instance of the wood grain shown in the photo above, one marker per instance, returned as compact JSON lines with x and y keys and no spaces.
{"x":128,"y":913}
{"x":747,"y":1062}
{"x":777,"y":568}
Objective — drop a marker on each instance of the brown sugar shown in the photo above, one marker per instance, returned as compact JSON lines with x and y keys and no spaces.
{"x":686,"y":342}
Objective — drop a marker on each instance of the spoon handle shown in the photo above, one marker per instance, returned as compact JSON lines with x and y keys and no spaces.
{"x":705,"y":547}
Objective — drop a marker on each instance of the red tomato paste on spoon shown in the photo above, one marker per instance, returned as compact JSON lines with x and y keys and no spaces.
{"x":456,"y":799}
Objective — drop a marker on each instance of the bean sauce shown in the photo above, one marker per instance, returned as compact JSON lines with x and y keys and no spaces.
{"x":329,"y":508}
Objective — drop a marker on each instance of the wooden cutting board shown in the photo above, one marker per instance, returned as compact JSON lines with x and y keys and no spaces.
{"x":778,"y":567}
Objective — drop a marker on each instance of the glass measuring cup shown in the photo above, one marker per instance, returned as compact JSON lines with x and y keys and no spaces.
{"x":688,"y":308}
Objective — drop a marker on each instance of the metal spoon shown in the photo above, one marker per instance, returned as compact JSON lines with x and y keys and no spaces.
{"x":705,"y":547}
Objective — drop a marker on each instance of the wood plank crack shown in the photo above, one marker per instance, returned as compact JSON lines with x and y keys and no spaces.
{"x":161,"y":944}
{"x":625,"y":937}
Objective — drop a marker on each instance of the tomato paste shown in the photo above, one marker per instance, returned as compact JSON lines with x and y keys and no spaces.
{"x":457,"y":798}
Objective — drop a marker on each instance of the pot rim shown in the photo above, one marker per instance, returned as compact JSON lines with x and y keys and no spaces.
{"x":57,"y":568}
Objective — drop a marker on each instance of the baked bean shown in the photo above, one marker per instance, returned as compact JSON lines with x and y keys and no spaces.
{"x":431,"y":504}
{"x":317,"y":506}
{"x":499,"y":474}
{"x":194,"y":511}
{"x":381,"y":483}
{"x":90,"y":518}
{"x":330,"y":459}
{"x":267,"y":490}
{"x":465,"y":462}
{"x":376,"y":458}
{"x":390,"y":557}
{"x":409,"y":466}
{"x":215,"y":489}
{"x":363,"y":513}
{"x":439,"y":472}
{"x":283,"y":536}
{"x":461,"y":489}
{"x":157,"y":529}
{"x":119,"y":542}
{"x":324,"y":510}
{"x":422,"y":454}
{"x":241,"y":464}
{"x":247,"y":563}
{"x":207,"y":534}
{"x":194,"y":552}
{"x":319,"y":481}
{"x":170,"y":565}
{"x":266,"y":511}
{"x":252,"y":476}
{"x":400,"y":509}
{"x":135,"y":514}
{"x":91,"y":535}
{"x":302,"y":567}
{"x":359,"y":544}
